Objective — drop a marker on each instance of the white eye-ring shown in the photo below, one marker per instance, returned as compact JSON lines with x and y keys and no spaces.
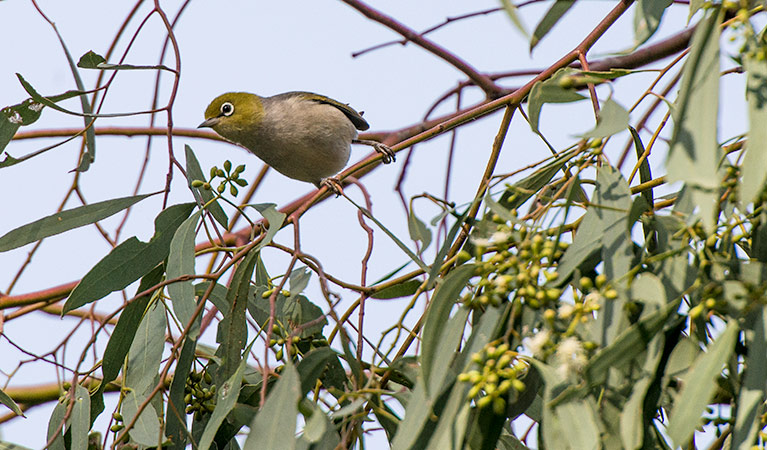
{"x":227,"y":109}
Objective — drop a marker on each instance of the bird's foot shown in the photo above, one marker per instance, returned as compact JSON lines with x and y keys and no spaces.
{"x":387,"y":154}
{"x":333,"y":184}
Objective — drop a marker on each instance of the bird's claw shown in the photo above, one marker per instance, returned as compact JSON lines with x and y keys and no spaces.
{"x":333,"y":184}
{"x":387,"y":154}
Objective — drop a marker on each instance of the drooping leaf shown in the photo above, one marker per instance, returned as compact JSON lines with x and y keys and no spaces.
{"x":754,"y":166}
{"x":647,"y":17}
{"x":613,"y":118}
{"x":232,"y":330}
{"x":699,"y":384}
{"x":437,"y":315}
{"x":555,"y":12}
{"x":6,"y":400}
{"x":553,"y":90}
{"x":226,"y":397}
{"x":418,"y":230}
{"x":129,"y":261}
{"x":79,"y":420}
{"x":511,"y":12}
{"x":122,"y":338}
{"x":275,"y":425}
{"x":753,"y":393}
{"x":175,"y":415}
{"x":55,"y":423}
{"x":66,"y":220}
{"x":518,"y":193}
{"x":146,"y":431}
{"x":695,"y":154}
{"x":181,"y":263}
{"x":146,"y":351}
{"x":194,"y":172}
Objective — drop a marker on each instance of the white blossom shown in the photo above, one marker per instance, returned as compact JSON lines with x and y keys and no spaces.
{"x":565,"y":310}
{"x":535,"y":344}
{"x":570,"y":356}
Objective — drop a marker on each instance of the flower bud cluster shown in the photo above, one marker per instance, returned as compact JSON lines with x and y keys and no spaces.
{"x":199,"y":394}
{"x":516,"y":261}
{"x":496,"y":377}
{"x":228,"y":177}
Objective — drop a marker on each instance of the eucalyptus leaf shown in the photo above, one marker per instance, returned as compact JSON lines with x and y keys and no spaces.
{"x":275,"y":425}
{"x":66,"y":220}
{"x":129,"y":261}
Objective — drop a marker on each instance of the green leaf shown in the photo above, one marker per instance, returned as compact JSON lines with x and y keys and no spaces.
{"x":628,"y":345}
{"x":587,"y":242}
{"x":613,"y":118}
{"x":79,"y":421}
{"x":129,"y":261}
{"x":122,"y":337}
{"x":147,"y":428}
{"x":517,"y":194}
{"x":90,"y":60}
{"x":753,"y":392}
{"x":299,"y":279}
{"x":275,"y":219}
{"x":550,"y":91}
{"x":6,"y":400}
{"x":445,"y":350}
{"x":57,"y":417}
{"x":312,"y":366}
{"x":232,"y":330}
{"x":180,"y":263}
{"x":204,"y":196}
{"x":418,"y":230}
{"x":93,"y":60}
{"x":146,"y":351}
{"x":437,"y":315}
{"x":226,"y":397}
{"x":403,"y":289}
{"x":175,"y":416}
{"x":699,"y":385}
{"x":647,"y":17}
{"x":65,"y":221}
{"x":299,"y":311}
{"x":275,"y":425}
{"x":511,"y":11}
{"x":754,"y":166}
{"x":695,"y":154}
{"x":392,"y":236}
{"x":632,"y":419}
{"x":550,"y":18}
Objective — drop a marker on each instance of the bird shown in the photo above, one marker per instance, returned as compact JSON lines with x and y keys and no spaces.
{"x":302,"y":135}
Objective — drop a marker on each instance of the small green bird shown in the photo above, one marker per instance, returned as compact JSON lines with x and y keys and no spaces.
{"x":302,"y":135}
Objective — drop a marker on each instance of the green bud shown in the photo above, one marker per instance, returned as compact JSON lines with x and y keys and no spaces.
{"x":499,"y":405}
{"x":611,"y":294}
{"x":484,"y":401}
{"x":208,"y":379}
{"x":696,"y":311}
{"x":117,"y":416}
{"x":601,"y":280}
{"x":197,"y":183}
{"x":233,"y":190}
{"x":220,"y":173}
{"x":279,"y":354}
{"x":227,"y":165}
{"x":240,"y":168}
{"x":518,"y":385}
{"x":206,"y":186}
{"x":116,"y":427}
{"x":213,"y":172}
{"x":241,"y":182}
{"x":221,"y":188}
{"x":474,"y":391}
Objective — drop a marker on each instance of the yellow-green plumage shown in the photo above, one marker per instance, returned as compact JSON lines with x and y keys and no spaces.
{"x":302,"y":135}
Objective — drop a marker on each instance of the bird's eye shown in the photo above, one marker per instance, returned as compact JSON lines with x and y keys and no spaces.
{"x":227,"y":109}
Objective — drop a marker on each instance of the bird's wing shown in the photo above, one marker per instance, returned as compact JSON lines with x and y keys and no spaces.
{"x":355,"y":117}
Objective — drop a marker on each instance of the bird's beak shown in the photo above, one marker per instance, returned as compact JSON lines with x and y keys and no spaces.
{"x":210,"y":123}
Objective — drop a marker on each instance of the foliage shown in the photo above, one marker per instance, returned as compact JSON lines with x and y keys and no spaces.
{"x":567,"y":298}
